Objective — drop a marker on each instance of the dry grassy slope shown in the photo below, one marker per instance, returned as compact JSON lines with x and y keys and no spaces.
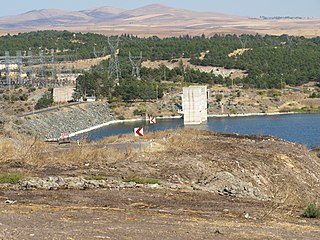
{"x":273,"y":169}
{"x":285,"y":172}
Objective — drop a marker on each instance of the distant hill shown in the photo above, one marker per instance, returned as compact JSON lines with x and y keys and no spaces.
{"x":153,"y":19}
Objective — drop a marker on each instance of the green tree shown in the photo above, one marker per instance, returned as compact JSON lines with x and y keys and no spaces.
{"x":45,"y":101}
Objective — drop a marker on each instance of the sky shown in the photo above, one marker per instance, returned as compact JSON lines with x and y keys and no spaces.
{"x":252,"y":8}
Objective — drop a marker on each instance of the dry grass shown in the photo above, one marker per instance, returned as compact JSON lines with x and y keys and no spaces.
{"x":35,"y":152}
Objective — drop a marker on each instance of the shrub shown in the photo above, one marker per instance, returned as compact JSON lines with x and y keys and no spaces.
{"x":23,"y":97}
{"x":31,"y":89}
{"x":138,"y":112}
{"x":95,"y":177}
{"x":45,"y":101}
{"x":312,"y":211}
{"x":219,"y":97}
{"x":274,"y":93}
{"x":12,"y":178}
{"x":234,"y":111}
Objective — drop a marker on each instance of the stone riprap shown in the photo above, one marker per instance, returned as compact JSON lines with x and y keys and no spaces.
{"x":50,"y":125}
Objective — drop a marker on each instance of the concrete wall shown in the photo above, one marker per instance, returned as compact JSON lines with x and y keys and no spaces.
{"x":63,"y":94}
{"x":194,"y":103}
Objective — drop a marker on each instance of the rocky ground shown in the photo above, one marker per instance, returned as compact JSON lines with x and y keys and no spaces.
{"x":189,"y":184}
{"x":51,"y":124}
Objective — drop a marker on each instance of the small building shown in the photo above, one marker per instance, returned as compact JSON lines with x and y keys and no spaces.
{"x":195,"y":104}
{"x":91,"y":98}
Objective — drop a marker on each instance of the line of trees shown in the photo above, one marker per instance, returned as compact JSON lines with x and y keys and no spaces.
{"x":270,"y":61}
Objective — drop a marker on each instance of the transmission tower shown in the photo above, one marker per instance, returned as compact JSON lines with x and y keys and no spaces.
{"x":30,"y":66}
{"x":19,"y":64}
{"x":53,"y":72}
{"x":37,"y":67}
{"x":8,"y":77}
{"x":243,"y":40}
{"x":97,"y":54}
{"x":136,"y":63}
{"x":114,"y":65}
{"x":41,"y":70}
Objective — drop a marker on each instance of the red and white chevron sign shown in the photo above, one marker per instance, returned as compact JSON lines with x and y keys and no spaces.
{"x":64,"y":135}
{"x":138,"y":132}
{"x":152,"y":120}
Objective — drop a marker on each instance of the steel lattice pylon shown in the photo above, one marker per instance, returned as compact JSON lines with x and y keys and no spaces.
{"x":136,"y":64}
{"x":114,"y":65}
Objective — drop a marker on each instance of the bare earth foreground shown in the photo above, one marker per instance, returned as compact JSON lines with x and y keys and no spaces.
{"x":207,"y":186}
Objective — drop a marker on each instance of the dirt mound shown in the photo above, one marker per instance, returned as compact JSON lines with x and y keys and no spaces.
{"x":260,"y":167}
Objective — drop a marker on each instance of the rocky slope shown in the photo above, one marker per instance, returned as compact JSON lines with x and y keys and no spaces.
{"x":51,"y":124}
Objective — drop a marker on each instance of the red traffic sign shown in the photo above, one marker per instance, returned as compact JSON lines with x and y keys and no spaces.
{"x":152,"y":120}
{"x":64,"y":135}
{"x":138,"y":132}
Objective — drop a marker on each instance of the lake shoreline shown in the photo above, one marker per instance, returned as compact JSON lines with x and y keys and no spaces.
{"x":172,"y":117}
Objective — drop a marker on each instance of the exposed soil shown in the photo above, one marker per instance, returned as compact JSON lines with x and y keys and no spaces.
{"x":145,"y":214}
{"x":212,"y":186}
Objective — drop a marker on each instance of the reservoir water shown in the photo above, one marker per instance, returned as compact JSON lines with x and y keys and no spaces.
{"x":299,"y":128}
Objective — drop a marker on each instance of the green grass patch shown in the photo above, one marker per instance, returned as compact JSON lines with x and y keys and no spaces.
{"x":140,"y":180}
{"x":95,"y":177}
{"x":12,"y":178}
{"x":312,"y":211}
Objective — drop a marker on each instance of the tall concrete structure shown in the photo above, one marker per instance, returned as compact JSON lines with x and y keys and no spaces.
{"x":194,"y":104}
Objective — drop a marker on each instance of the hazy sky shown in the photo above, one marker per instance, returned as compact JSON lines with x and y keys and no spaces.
{"x":310,"y":8}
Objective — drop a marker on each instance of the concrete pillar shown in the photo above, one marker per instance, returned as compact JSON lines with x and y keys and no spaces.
{"x":194,"y":103}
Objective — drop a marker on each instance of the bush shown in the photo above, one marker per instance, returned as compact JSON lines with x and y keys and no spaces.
{"x":12,"y":178}
{"x":312,"y":211}
{"x":45,"y":101}
{"x":219,"y":97}
{"x":138,"y":112}
{"x":95,"y":177}
{"x":274,"y":93}
{"x":23,"y":97}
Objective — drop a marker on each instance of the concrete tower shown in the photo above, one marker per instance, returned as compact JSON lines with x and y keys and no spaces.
{"x":194,"y":104}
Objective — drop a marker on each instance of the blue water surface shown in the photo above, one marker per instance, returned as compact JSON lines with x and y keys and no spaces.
{"x":299,"y":128}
